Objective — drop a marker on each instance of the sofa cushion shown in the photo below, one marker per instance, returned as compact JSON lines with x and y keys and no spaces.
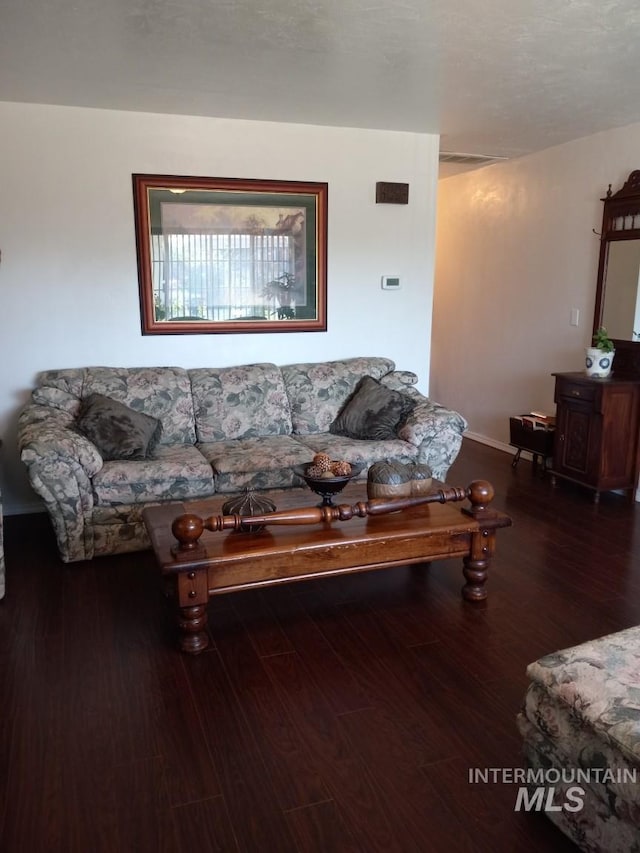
{"x":239,"y":402}
{"x":372,"y":412}
{"x":163,"y":392}
{"x":357,"y":450}
{"x":118,"y":431}
{"x":317,"y":391}
{"x":175,"y":473}
{"x":258,"y":463}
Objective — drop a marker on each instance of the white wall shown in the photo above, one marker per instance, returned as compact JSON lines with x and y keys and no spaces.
{"x":68,"y":279}
{"x":515,"y":252}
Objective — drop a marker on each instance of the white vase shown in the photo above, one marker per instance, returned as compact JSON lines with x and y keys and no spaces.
{"x":598,"y":363}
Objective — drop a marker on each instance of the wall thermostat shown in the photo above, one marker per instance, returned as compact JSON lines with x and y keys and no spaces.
{"x":390,"y":282}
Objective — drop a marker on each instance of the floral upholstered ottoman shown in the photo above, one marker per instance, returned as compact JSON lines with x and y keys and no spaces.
{"x":581,"y":728}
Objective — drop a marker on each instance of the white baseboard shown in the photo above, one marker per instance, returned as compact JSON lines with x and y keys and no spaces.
{"x":498,"y":445}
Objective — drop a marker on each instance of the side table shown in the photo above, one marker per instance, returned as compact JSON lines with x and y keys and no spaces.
{"x":538,"y":442}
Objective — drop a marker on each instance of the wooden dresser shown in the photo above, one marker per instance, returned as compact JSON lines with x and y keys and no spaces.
{"x":597,"y":427}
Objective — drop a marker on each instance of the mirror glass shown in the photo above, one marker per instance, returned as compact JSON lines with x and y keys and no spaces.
{"x":621,"y":294}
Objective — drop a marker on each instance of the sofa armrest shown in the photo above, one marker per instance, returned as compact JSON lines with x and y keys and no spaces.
{"x":400,"y":380}
{"x":436,"y":431}
{"x":46,"y":433}
{"x":60,"y":463}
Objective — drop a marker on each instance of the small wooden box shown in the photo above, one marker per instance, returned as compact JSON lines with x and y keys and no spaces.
{"x":539,"y":442}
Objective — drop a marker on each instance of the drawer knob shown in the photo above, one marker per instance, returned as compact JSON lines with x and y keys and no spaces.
{"x":575,"y":392}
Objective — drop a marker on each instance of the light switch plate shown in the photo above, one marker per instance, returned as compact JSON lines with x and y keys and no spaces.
{"x":390,"y":282}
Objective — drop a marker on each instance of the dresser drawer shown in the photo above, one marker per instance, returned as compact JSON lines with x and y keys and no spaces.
{"x":575,"y":390}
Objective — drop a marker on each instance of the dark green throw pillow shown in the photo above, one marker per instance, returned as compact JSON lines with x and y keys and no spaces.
{"x":118,"y":431}
{"x":372,"y":412}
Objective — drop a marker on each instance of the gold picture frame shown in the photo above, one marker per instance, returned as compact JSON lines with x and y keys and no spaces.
{"x":230,"y":255}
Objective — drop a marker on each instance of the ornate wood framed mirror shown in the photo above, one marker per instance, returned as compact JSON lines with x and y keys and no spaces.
{"x":618,"y":288}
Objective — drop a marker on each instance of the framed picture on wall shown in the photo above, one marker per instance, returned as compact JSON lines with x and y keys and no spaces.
{"x":228,"y":255}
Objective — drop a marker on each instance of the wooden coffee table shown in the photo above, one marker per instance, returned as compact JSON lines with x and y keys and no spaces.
{"x":202,"y":553}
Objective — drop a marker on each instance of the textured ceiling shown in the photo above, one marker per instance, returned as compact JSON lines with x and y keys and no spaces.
{"x":492,"y":76}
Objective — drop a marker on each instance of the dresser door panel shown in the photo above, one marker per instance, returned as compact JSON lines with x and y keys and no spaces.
{"x":578,"y":433}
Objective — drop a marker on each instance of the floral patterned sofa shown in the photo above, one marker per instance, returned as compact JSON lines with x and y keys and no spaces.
{"x":223,"y":430}
{"x":581,"y":728}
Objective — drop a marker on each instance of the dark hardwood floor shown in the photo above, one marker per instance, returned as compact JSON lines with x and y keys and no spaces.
{"x":338,"y":715}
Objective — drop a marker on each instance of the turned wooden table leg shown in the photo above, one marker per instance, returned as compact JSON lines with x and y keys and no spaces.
{"x":476,"y":565}
{"x":192,"y":622}
{"x":193,"y":596}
